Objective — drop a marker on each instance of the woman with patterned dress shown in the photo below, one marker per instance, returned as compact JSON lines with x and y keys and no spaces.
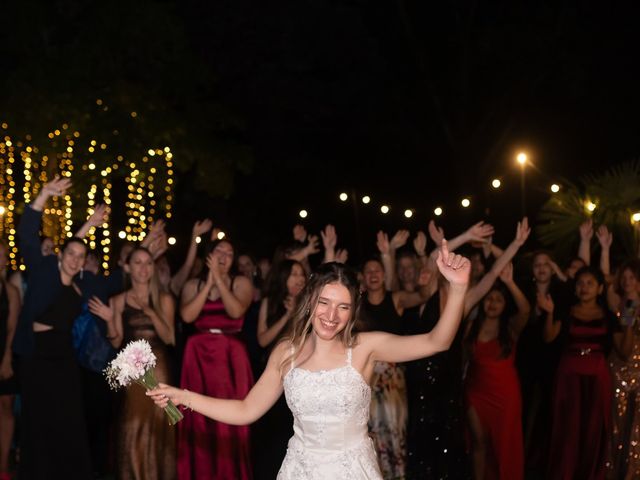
{"x":325,"y":369}
{"x":145,"y":442}
{"x":582,"y":398}
{"x":624,"y":299}
{"x":382,"y":311}
{"x":215,"y":363}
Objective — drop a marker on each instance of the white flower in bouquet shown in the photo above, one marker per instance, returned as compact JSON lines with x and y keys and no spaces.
{"x":136,"y":363}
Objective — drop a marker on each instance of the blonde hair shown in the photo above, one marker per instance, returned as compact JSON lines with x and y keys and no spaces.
{"x":301,"y":326}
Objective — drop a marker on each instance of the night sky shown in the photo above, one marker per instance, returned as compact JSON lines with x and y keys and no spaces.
{"x":414,"y":103}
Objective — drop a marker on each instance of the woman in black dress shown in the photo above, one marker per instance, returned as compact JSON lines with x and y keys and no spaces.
{"x":54,"y":439}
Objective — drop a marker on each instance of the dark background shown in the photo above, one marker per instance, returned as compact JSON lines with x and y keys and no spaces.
{"x":271,"y":107}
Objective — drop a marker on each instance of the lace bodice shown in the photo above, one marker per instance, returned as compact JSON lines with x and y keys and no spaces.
{"x":330,"y":410}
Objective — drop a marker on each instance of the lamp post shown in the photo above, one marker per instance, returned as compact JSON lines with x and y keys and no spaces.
{"x":521,"y":158}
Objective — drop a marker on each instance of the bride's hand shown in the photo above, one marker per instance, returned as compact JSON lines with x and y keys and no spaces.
{"x":163,"y":393}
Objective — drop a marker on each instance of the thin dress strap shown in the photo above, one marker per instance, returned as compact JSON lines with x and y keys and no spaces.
{"x":349,"y":356}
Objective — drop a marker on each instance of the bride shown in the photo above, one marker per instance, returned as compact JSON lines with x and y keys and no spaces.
{"x":324,"y":368}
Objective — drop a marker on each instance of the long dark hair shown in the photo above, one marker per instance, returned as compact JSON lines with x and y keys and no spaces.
{"x":505,"y":339}
{"x":326,"y":273}
{"x":276,"y":291}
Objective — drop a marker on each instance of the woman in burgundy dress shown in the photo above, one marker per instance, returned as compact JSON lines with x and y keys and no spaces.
{"x":492,"y":389}
{"x":582,"y":399}
{"x":215,"y":363}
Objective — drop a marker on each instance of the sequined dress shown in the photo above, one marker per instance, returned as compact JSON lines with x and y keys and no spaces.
{"x":330,"y":441}
{"x":625,"y":458}
{"x":145,"y":440}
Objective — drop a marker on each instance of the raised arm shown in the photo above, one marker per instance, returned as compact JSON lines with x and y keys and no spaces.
{"x":390,"y":280}
{"x":267,"y":334}
{"x":519,"y":320}
{"x":99,"y":216}
{"x":108,"y":314}
{"x":551,"y":326}
{"x":182,"y":275}
{"x":393,"y":348}
{"x":605,"y":238}
{"x":479,"y":290}
{"x":32,"y":217}
{"x":329,"y":241}
{"x":584,"y":249}
{"x":258,"y":401}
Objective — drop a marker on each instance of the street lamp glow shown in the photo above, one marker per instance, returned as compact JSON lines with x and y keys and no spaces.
{"x":171,"y":241}
{"x":303,"y":213}
{"x":591,"y":206}
{"x":384,"y":209}
{"x":496,"y":183}
{"x":522,"y":158}
{"x":437,"y":211}
{"x":221,"y":235}
{"x":343,"y":197}
{"x":366,"y":199}
{"x":635,"y":218}
{"x":555,"y":188}
{"x":465,"y":202}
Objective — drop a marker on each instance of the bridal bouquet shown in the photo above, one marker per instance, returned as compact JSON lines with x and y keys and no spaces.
{"x":135,"y":363}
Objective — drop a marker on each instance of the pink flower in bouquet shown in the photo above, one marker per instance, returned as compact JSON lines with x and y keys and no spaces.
{"x":135,"y":363}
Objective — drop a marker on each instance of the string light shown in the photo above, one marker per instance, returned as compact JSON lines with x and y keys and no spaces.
{"x":384,"y":209}
{"x":465,"y":202}
{"x":141,"y":203}
{"x":437,"y":211}
{"x":555,"y":188}
{"x":408,"y":213}
{"x":344,"y":197}
{"x":303,"y":213}
{"x":366,"y":199}
{"x":496,"y":183}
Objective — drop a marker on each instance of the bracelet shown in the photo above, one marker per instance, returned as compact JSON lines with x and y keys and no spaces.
{"x":189,"y":404}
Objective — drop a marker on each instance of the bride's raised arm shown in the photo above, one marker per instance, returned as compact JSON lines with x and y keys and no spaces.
{"x":393,"y":348}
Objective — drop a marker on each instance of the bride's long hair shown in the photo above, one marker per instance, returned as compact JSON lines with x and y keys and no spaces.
{"x":301,"y":327}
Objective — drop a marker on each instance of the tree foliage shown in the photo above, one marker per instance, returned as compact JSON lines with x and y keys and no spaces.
{"x":616,"y":197}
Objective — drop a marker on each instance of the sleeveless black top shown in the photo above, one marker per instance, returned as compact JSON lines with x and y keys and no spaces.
{"x":63,"y":311}
{"x":382,"y":317}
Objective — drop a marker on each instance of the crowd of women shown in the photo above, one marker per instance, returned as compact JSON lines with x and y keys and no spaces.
{"x":541,"y":379}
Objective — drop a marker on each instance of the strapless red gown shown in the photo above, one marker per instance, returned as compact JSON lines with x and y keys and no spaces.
{"x":214,"y":364}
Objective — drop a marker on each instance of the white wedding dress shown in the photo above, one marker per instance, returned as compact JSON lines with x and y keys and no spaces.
{"x":330,"y":441}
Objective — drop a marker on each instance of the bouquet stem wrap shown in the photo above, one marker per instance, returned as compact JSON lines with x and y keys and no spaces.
{"x":149,"y":382}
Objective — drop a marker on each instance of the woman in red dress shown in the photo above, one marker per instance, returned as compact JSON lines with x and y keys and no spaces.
{"x":215,"y":363}
{"x":581,"y":404}
{"x":492,"y":388}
